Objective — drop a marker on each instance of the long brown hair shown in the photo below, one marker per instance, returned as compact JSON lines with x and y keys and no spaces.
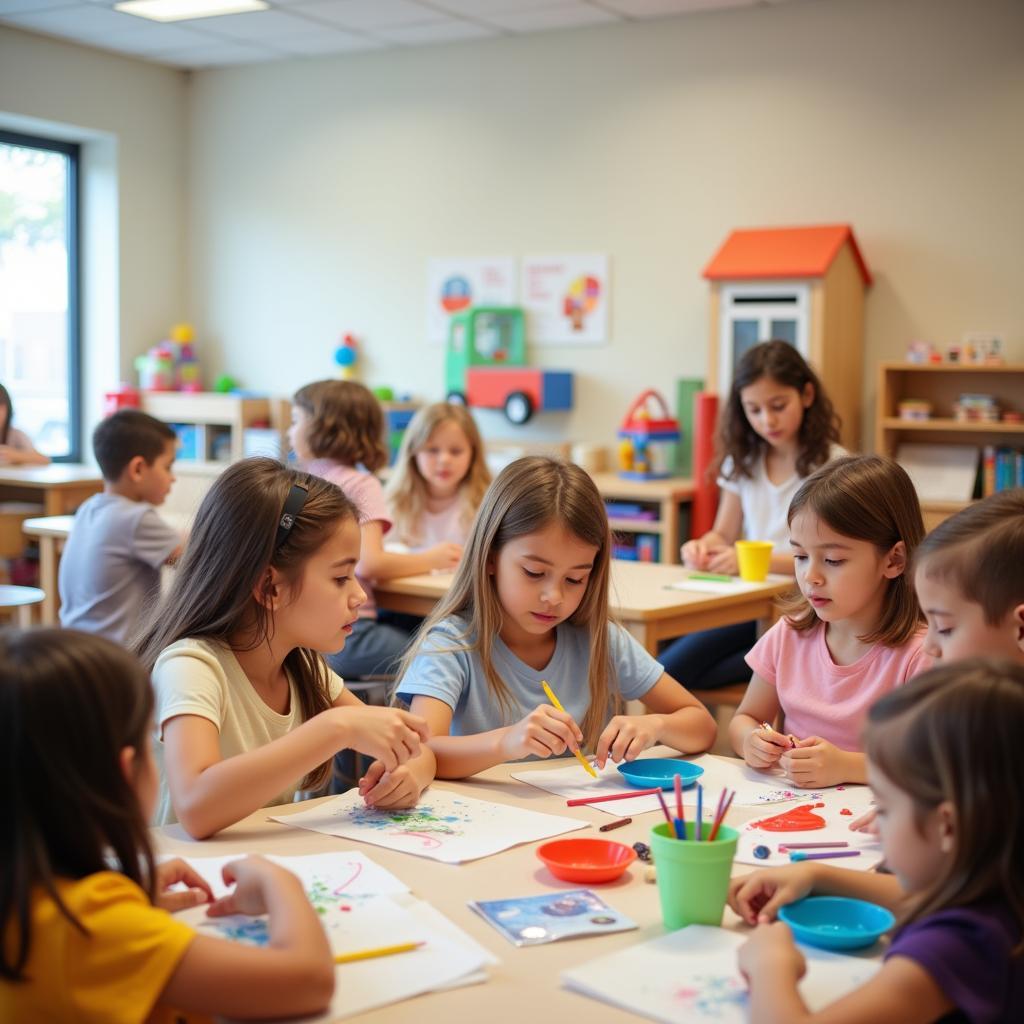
{"x":6,"y":403}
{"x":954,"y":734}
{"x":870,"y":498}
{"x":407,"y":490}
{"x":819,"y":429}
{"x":228,"y":556}
{"x":70,"y":702}
{"x":981,"y":549}
{"x":346,"y":423}
{"x":527,"y":496}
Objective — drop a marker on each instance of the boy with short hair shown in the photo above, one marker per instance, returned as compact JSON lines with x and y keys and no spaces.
{"x":110,"y":569}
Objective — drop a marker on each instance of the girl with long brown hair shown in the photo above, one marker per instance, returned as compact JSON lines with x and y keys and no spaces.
{"x":529,"y":604}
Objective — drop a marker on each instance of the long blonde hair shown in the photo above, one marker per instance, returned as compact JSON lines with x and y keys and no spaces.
{"x":406,"y":490}
{"x":528,"y":495}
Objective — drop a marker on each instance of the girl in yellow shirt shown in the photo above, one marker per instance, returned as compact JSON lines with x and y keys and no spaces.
{"x":84,"y":922}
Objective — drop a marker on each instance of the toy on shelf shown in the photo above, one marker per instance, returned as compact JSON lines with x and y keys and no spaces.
{"x":225,"y":384}
{"x":485,"y":366}
{"x":124,"y":397}
{"x":923,"y":352}
{"x":346,"y":355}
{"x":171,"y":365}
{"x":648,"y":443}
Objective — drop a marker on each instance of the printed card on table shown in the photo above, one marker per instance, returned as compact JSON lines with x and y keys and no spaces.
{"x":442,"y":826}
{"x":534,"y":920}
{"x":690,"y":976}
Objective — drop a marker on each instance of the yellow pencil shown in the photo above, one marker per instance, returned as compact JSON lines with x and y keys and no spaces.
{"x":370,"y":954}
{"x":558,"y":704}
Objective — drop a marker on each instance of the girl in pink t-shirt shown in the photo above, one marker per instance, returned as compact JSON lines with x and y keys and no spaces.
{"x":338,"y":433}
{"x":854,"y":633}
{"x":439,"y":477}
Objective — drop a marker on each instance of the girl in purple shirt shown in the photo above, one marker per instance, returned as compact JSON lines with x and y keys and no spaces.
{"x":944,"y":763}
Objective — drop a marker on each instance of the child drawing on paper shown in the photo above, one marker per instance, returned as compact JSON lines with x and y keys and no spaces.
{"x":944,"y":763}
{"x":710,"y":995}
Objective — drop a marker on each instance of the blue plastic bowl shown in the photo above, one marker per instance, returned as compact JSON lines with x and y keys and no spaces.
{"x":660,"y":771}
{"x":836,"y":922}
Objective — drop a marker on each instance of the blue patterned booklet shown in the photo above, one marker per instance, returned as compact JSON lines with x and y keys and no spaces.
{"x":533,"y":920}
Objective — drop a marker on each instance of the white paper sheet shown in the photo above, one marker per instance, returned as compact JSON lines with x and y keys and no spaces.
{"x":722,"y":587}
{"x":753,"y":787}
{"x":442,"y":826}
{"x":690,"y":975}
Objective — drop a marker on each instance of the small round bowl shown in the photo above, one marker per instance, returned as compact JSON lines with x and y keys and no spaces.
{"x":660,"y":771}
{"x":836,"y":922}
{"x":586,"y":860}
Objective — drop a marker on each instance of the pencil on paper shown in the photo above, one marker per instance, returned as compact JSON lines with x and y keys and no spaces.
{"x":809,"y":846}
{"x":798,"y":855}
{"x":579,"y":801}
{"x":372,"y":954}
{"x":614,"y":824}
{"x":558,"y":704}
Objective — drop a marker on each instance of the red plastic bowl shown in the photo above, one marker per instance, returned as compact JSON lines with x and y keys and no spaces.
{"x":586,"y":860}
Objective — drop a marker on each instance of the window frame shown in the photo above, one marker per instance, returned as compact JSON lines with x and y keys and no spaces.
{"x":71,"y":150}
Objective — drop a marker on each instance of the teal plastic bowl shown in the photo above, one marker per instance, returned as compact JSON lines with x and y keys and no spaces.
{"x":660,"y":771}
{"x":836,"y":922}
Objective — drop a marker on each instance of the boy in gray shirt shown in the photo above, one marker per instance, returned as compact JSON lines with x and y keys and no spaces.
{"x":110,"y":569}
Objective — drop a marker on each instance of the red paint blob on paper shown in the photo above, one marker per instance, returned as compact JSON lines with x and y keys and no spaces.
{"x":796,"y":819}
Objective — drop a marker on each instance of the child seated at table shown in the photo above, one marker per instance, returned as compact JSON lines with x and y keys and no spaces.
{"x":110,"y":570}
{"x":16,"y":448}
{"x":529,"y":605}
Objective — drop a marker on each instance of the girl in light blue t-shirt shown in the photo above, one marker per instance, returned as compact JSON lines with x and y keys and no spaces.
{"x":529,"y":604}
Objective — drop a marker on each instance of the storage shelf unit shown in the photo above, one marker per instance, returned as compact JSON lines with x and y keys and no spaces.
{"x":942,"y":384}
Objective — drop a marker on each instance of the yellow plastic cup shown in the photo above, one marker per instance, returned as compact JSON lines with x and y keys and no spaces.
{"x":755,"y":559}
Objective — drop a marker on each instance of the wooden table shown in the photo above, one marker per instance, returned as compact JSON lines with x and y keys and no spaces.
{"x":639,"y":598}
{"x":63,"y":486}
{"x":524,"y":985}
{"x":51,"y":532}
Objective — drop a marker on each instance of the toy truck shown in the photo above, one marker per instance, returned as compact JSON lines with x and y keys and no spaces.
{"x":486,"y":368}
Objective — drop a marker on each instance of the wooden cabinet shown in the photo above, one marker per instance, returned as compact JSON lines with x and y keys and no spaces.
{"x":942,"y":384}
{"x":667,"y":498}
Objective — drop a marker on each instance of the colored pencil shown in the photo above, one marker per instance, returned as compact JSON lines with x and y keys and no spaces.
{"x":809,"y":846}
{"x":371,"y":954}
{"x":697,"y":825}
{"x":614,"y":824}
{"x":767,"y":726}
{"x":668,"y":817}
{"x":579,"y":801}
{"x":558,"y":704}
{"x":679,"y":805}
{"x":711,"y":577}
{"x":798,"y":855}
{"x":721,"y":816}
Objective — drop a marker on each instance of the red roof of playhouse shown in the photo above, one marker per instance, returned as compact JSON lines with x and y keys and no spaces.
{"x":783,"y":252}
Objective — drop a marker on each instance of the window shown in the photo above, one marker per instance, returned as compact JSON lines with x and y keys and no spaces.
{"x":39,"y":322}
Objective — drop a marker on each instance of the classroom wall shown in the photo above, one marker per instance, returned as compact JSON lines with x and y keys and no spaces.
{"x":131,"y":118}
{"x":320,"y":188}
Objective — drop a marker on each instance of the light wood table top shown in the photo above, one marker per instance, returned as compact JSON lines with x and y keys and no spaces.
{"x":524,"y":986}
{"x":640,"y":597}
{"x":64,"y":485}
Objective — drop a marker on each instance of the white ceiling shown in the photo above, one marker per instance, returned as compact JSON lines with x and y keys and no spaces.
{"x":306,"y":28}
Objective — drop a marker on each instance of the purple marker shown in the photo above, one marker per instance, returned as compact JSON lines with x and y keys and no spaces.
{"x":785,"y":847}
{"x":798,"y":855}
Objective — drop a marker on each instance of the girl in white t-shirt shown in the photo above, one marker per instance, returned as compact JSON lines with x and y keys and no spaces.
{"x":247,"y":712}
{"x":439,"y":478}
{"x":776,"y":428}
{"x":16,"y":449}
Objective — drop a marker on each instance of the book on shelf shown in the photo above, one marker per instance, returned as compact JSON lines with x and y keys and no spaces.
{"x":941,"y":472}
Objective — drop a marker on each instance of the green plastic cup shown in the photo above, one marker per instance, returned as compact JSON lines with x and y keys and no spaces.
{"x":693,"y":878}
{"x":755,"y":559}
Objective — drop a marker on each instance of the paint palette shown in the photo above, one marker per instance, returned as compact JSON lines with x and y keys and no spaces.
{"x":660,"y":771}
{"x":586,"y":860}
{"x":836,"y":922}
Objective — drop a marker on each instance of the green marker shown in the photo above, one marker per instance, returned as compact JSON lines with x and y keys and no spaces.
{"x":711,"y":577}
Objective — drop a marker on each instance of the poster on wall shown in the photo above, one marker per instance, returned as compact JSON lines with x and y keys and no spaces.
{"x":566,"y":298}
{"x":454,"y":285}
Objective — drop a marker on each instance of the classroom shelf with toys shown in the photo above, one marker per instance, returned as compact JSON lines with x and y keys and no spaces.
{"x":939,"y":413}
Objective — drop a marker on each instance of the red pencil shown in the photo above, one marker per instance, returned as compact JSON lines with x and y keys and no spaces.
{"x":679,"y":796}
{"x":721,"y":817}
{"x":580,"y":801}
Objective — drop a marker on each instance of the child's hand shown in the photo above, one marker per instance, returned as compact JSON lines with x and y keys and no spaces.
{"x":866,"y":823}
{"x":723,"y":559}
{"x":756,"y":897}
{"x":815,"y":762}
{"x":694,"y":554}
{"x":444,"y":556}
{"x":545,"y":731}
{"x":625,"y":736}
{"x":384,"y":789}
{"x":250,"y":877}
{"x":771,"y":952}
{"x":388,"y":734}
{"x":762,"y":748}
{"x":171,"y":872}
{"x":11,"y":456}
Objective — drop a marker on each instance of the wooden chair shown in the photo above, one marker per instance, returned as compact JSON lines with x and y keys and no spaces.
{"x":722,"y":702}
{"x":12,"y":540}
